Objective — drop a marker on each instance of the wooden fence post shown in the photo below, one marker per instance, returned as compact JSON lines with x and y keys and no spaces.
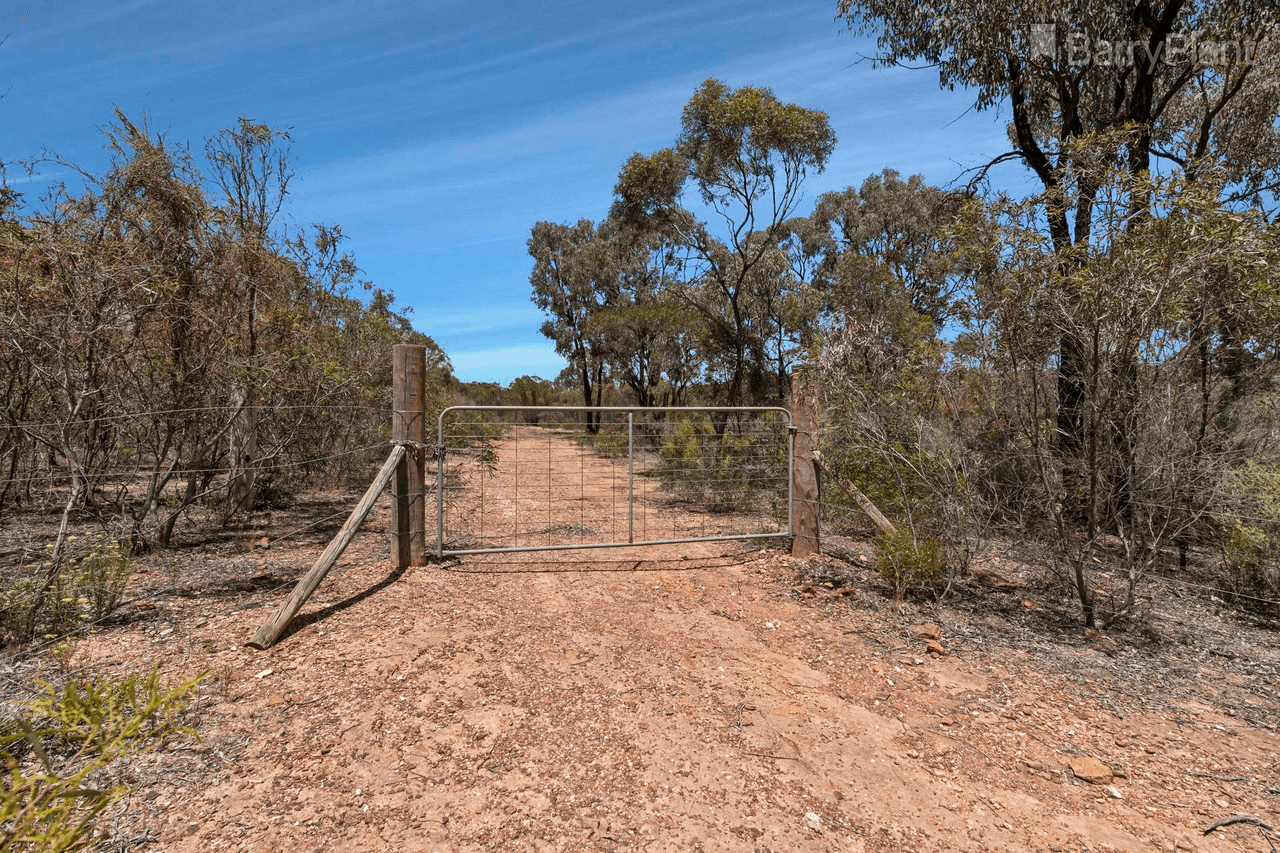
{"x":804,"y":471}
{"x":278,"y":621}
{"x":408,"y":424}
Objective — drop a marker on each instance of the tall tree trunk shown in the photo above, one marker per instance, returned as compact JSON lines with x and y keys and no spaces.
{"x":1069,"y":439}
{"x":244,"y":451}
{"x":241,"y":489}
{"x":593,"y":423}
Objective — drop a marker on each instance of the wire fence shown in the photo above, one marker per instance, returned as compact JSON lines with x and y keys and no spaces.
{"x":46,"y":643}
{"x":95,"y":420}
{"x":521,"y":480}
{"x":101,"y":476}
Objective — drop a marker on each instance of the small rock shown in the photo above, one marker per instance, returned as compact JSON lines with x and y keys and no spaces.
{"x":933,"y":647}
{"x":813,"y":821}
{"x":1090,"y":770}
{"x":1114,"y":792}
{"x":275,"y":700}
{"x":264,"y":673}
{"x":927,"y":632}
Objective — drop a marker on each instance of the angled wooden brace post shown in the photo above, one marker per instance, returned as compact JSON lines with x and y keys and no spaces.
{"x":278,"y":621}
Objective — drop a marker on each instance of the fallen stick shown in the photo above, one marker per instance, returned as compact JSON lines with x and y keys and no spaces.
{"x":1240,"y":818}
{"x":278,"y":621}
{"x":1201,"y":775}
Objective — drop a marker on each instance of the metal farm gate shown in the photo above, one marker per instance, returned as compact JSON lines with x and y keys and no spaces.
{"x":513,"y":478}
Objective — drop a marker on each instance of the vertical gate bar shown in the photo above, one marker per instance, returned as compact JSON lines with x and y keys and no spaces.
{"x":440,"y":487}
{"x":791,"y":478}
{"x":582,"y":489}
{"x":613,"y":497}
{"x":515,"y":499}
{"x":550,"y":493}
{"x":631,"y":476}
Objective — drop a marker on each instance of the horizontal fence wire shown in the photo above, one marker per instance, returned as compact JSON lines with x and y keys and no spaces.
{"x":144,"y":473}
{"x":519,"y":479}
{"x":90,"y":420}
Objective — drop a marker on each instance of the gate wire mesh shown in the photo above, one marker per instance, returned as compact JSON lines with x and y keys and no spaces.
{"x":539,"y":479}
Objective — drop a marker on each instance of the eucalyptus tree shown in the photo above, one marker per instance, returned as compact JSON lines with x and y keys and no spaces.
{"x":572,"y":272}
{"x":1159,"y":412}
{"x":888,"y":234}
{"x":745,"y":156}
{"x":1146,"y":86}
{"x":647,"y":332}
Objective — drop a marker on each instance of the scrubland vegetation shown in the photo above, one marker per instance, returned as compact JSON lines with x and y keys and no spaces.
{"x":1089,"y":371}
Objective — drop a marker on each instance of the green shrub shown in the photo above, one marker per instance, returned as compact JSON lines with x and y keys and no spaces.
{"x":88,"y":585}
{"x":1252,"y":556}
{"x":610,"y":441}
{"x":909,"y":561}
{"x":1251,"y":547}
{"x":53,"y":754}
{"x":717,"y":471}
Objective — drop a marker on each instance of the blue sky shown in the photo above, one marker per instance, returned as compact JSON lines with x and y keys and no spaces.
{"x":437,"y":133}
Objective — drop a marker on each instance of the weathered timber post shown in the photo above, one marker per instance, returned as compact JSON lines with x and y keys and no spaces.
{"x":278,"y":621}
{"x":804,"y":470}
{"x":408,"y":425}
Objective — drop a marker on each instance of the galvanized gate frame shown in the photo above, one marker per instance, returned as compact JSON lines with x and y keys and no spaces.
{"x":630,"y":411}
